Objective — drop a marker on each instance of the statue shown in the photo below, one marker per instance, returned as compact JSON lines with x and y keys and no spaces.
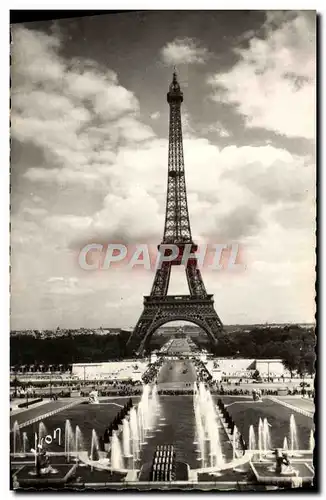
{"x":283,"y":465}
{"x":42,"y":462}
{"x":256,"y":394}
{"x":93,"y":397}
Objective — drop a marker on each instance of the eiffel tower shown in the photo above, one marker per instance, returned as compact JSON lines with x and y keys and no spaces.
{"x":159,"y":307}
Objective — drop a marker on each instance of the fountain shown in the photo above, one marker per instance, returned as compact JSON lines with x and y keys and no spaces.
{"x":252,"y":438}
{"x":116,"y":453}
{"x":155,"y":403}
{"x":94,"y":447}
{"x":42,"y":431}
{"x":285,"y":444}
{"x":134,"y":434}
{"x":136,"y":428}
{"x":16,"y":438}
{"x":25,"y":443}
{"x":148,"y":410}
{"x":144,"y":405}
{"x":200,"y":435}
{"x":266,"y":436}
{"x":79,"y":442}
{"x":141,"y":424}
{"x":207,"y":428}
{"x":293,"y":435}
{"x":311,"y":441}
{"x":126,"y":437}
{"x":234,"y":441}
{"x":69,"y":439}
{"x":260,"y":438}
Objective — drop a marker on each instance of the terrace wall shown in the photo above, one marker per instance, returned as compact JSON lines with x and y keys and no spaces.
{"x":113,"y":370}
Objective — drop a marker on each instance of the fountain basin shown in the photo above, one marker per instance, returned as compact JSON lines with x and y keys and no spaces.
{"x":26,"y":478}
{"x":302,"y":473}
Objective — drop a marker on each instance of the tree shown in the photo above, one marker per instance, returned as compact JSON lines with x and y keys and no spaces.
{"x":257,"y":376}
{"x":309,"y":359}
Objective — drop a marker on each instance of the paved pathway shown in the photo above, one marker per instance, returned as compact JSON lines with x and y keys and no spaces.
{"x":16,"y":410}
{"x":303,"y":403}
{"x":291,"y":406}
{"x":177,"y":371}
{"x":38,"y":411}
{"x":179,"y":346}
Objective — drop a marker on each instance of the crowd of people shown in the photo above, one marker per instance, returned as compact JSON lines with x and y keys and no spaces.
{"x":152,"y":371}
{"x":203,"y":374}
{"x":264,"y":392}
{"x":127,"y":390}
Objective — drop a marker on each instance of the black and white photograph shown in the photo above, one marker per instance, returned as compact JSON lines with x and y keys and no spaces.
{"x":162,"y":251}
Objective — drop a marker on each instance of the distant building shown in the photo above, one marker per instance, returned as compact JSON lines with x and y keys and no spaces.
{"x":238,"y":367}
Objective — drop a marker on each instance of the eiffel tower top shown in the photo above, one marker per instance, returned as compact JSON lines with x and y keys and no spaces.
{"x":174,"y":94}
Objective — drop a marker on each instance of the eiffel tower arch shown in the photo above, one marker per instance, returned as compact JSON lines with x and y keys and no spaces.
{"x":159,"y":307}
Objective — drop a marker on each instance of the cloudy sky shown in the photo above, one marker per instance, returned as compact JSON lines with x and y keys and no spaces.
{"x":89,"y":159}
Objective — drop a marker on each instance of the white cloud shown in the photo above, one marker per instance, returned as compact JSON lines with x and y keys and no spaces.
{"x":88,"y":84}
{"x":229,"y":190}
{"x":271,"y":174}
{"x":184,"y":51}
{"x":55,"y":278}
{"x":65,"y":176}
{"x":67,"y":222}
{"x":273,"y":83}
{"x":47,"y":104}
{"x":30,"y":60}
{"x":35,"y":211}
{"x":77,"y":118}
{"x":132,"y":130}
{"x":155,"y":115}
{"x":67,"y":286}
{"x":216,"y":128}
{"x":131,"y":217}
{"x":114,"y":101}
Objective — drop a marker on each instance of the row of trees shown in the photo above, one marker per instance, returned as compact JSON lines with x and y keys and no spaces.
{"x":294,"y":345}
{"x":27,"y":350}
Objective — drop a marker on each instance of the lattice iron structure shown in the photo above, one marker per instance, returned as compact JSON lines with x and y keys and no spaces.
{"x":159,"y":307}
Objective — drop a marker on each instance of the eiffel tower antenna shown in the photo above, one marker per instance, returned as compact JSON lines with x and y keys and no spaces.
{"x":159,"y":307}
{"x":184,"y":82}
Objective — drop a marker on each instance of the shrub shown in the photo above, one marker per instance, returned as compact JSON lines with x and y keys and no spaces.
{"x":29,"y":403}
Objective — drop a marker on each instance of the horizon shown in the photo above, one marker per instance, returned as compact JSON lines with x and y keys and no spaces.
{"x":162,"y":327}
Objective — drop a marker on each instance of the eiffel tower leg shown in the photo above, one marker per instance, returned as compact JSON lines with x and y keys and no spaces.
{"x":161,"y":280}
{"x":213,"y":324}
{"x":195,"y":280}
{"x":136,"y":342}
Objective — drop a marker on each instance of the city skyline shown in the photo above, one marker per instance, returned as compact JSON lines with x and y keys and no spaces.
{"x":90,"y":128}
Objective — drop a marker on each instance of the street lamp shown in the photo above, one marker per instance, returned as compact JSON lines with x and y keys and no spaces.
{"x":301,"y":368}
{"x":15,"y":384}
{"x":303,"y":383}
